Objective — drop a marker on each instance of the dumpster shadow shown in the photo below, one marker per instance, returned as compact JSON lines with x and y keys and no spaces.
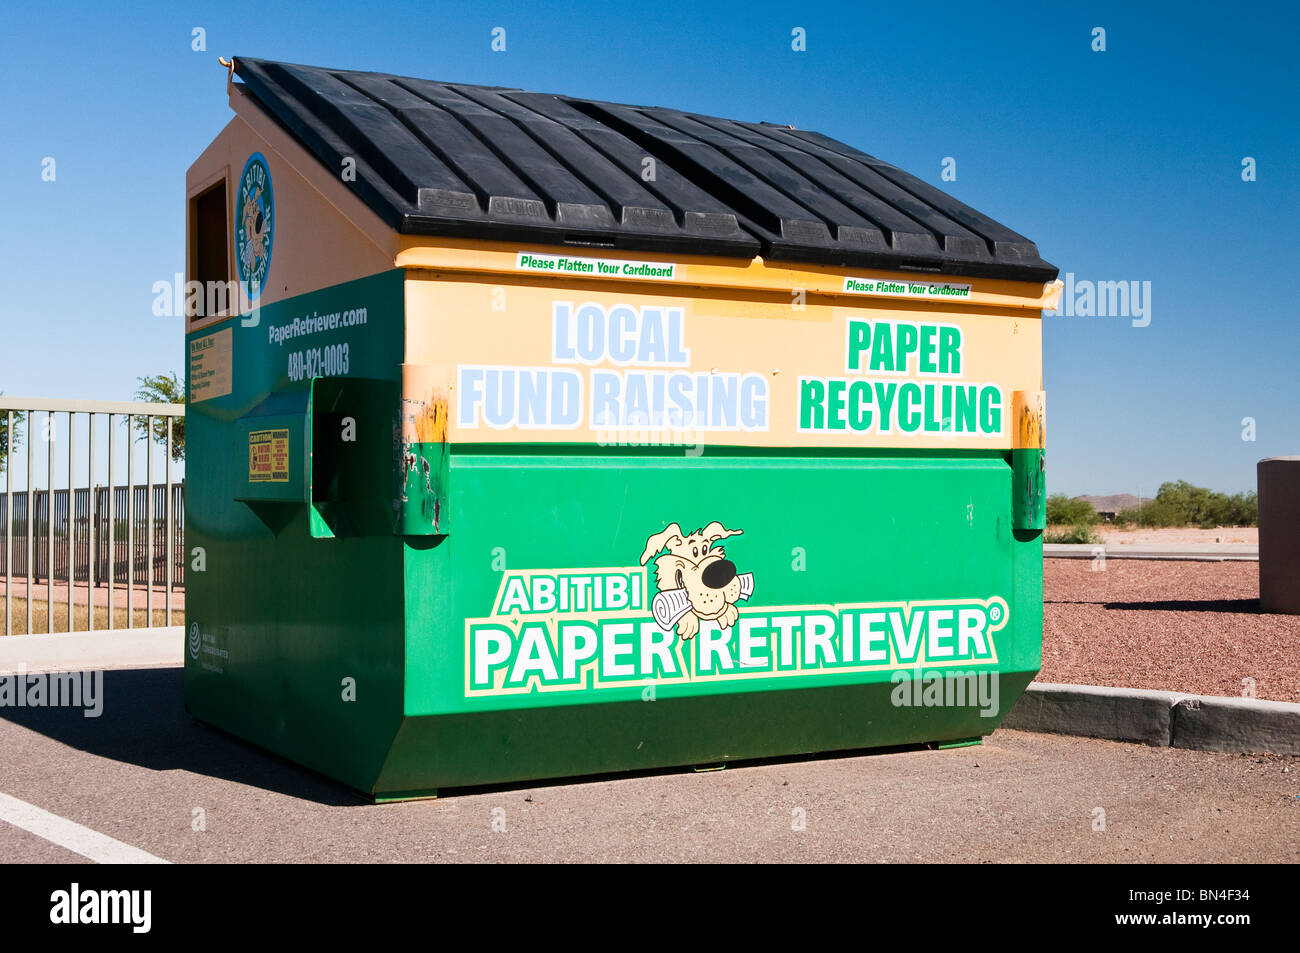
{"x":668,"y":770}
{"x":144,"y":723}
{"x":1247,"y":606}
{"x":1250,"y":606}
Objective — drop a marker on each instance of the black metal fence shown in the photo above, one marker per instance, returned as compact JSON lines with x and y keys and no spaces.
{"x":125,"y":542}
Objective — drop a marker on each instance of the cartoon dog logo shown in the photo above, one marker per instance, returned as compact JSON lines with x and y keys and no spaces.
{"x":254,"y":222}
{"x":696,"y":580}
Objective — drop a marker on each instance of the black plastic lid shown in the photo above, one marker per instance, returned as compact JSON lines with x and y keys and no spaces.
{"x":484,"y":162}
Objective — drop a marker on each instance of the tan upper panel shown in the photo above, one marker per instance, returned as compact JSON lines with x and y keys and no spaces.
{"x":570,"y":361}
{"x":323,"y":234}
{"x":548,"y":264}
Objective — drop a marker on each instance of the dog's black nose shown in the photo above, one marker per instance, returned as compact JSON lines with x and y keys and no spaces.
{"x":717,"y":575}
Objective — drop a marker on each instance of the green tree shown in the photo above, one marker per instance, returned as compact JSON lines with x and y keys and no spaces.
{"x":1243,"y":509}
{"x":1194,"y":504}
{"x":163,"y":389}
{"x":8,"y":441}
{"x":1153,"y":514}
{"x":1178,"y":503}
{"x":1063,"y":511}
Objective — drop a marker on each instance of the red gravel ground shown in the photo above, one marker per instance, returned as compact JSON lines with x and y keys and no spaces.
{"x":1165,"y":624}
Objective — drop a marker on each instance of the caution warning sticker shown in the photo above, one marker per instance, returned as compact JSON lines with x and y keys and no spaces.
{"x":268,"y":456}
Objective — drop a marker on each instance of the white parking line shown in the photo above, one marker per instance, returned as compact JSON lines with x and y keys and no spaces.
{"x":93,"y":845}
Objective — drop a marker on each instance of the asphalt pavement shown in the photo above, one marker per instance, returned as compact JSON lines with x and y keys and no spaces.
{"x":146,"y":775}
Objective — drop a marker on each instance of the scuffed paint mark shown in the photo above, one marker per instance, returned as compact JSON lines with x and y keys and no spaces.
{"x":399,"y":471}
{"x":1030,"y":419}
{"x":431,"y":421}
{"x":423,"y":436}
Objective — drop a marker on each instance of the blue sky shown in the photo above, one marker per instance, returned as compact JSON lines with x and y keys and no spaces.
{"x":1121,"y":165}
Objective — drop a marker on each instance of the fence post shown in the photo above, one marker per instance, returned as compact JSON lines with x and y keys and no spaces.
{"x":49,"y":523}
{"x":92,"y":528}
{"x":71,"y":536}
{"x":130,"y":519}
{"x":31,"y":525}
{"x":112,"y":527}
{"x":171,"y":523}
{"x":148,"y":505}
{"x":9,"y":521}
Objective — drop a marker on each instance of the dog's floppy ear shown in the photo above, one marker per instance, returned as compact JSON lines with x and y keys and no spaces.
{"x":666,"y":571}
{"x":659,"y":540}
{"x":716,"y":530}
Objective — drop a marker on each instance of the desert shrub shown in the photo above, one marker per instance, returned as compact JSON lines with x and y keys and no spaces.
{"x":1074,"y":534}
{"x":1063,"y":511}
{"x":1181,"y":504}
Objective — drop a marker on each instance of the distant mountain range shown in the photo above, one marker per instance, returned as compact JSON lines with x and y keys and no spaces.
{"x":1112,"y":504}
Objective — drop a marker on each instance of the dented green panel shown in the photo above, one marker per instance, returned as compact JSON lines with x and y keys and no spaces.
{"x":1029,"y":480}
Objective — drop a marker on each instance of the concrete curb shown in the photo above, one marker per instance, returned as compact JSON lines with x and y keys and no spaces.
{"x":163,"y":646}
{"x":1216,"y":552}
{"x":1161,"y":719}
{"x":1208,"y":723}
{"x":1119,"y":714}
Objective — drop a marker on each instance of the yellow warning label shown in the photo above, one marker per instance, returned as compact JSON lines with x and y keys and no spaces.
{"x":268,"y":456}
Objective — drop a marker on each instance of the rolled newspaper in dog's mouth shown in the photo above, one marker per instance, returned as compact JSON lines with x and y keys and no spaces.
{"x":671,"y":604}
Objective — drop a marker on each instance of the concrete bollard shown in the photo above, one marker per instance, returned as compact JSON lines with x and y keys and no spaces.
{"x":1279,"y":534}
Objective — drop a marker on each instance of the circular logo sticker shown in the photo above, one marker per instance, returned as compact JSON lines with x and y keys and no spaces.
{"x":254,"y":225}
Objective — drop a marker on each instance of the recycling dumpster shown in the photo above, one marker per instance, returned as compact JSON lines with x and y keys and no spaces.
{"x":532,"y":436}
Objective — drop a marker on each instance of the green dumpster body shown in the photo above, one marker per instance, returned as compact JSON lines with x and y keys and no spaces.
{"x":382,"y":603}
